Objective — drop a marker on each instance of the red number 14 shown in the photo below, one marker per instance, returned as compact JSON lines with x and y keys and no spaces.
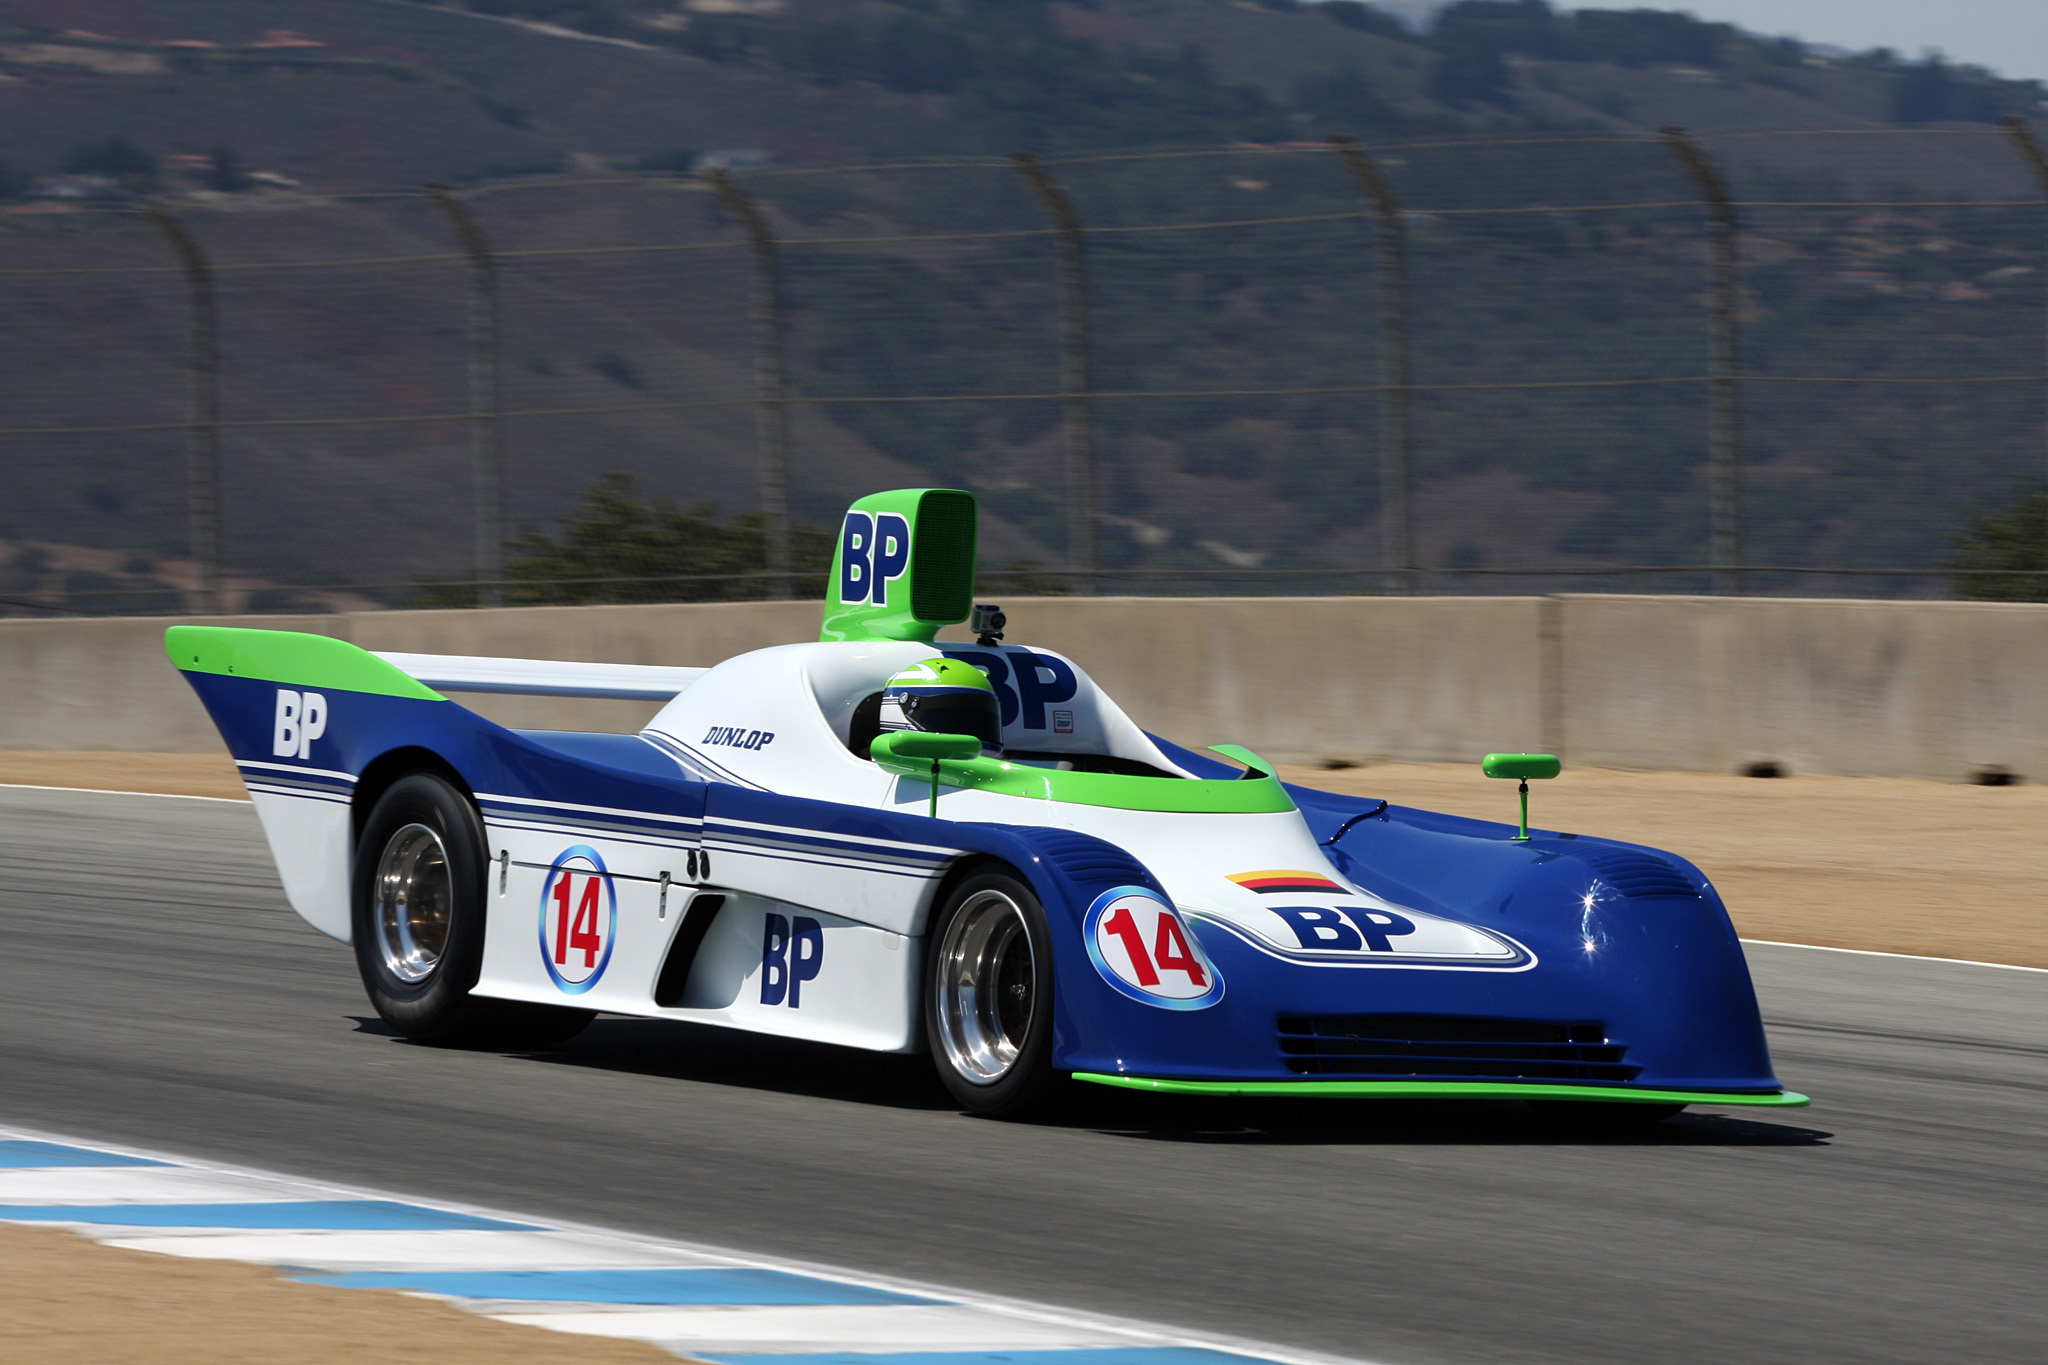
{"x":581,"y":932}
{"x":1169,"y":949}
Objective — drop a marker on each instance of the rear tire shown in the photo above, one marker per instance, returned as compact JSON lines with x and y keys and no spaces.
{"x":988,"y":997}
{"x":417,"y":924}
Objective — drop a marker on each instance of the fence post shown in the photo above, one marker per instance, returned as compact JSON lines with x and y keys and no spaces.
{"x":203,"y":466}
{"x":1724,"y":439}
{"x":486,"y":389}
{"x":1076,"y":368}
{"x":2037,"y":161}
{"x":771,"y":379}
{"x":1397,"y":427}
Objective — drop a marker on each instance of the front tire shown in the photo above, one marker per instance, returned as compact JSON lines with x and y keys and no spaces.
{"x":418,"y":918}
{"x":988,"y":997}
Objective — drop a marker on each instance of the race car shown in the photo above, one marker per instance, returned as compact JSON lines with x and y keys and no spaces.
{"x":883,"y":841}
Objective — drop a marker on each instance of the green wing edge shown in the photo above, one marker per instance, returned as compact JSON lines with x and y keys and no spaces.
{"x":290,"y":656}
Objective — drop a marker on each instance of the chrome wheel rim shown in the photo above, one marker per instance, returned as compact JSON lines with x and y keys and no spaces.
{"x":987,"y":987}
{"x":414,"y":897}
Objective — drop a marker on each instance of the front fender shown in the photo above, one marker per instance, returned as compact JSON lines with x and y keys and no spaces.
{"x":1634,"y":959}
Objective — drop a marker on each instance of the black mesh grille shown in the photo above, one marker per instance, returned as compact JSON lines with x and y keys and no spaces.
{"x":942,"y":567}
{"x":1637,"y":874}
{"x":1450,"y":1047}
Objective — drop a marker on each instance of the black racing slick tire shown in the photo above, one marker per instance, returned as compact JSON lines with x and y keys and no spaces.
{"x":988,"y":997}
{"x":417,"y":924}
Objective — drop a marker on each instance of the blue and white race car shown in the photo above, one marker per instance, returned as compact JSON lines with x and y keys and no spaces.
{"x":883,"y":842}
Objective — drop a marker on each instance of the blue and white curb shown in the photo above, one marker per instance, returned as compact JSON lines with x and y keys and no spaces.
{"x":703,"y":1302}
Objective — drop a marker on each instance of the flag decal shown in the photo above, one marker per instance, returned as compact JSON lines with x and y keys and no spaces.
{"x":1271,"y":883}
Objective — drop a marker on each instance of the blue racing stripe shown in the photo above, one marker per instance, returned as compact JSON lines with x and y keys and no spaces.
{"x":1080,"y":1355}
{"x":737,"y":1286}
{"x":20,"y":1153}
{"x":341,"y":1215}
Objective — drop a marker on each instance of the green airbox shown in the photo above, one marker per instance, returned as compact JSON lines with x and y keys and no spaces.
{"x":904,"y":567}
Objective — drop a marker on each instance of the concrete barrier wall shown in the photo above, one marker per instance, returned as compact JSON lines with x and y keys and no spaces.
{"x":1353,"y":678}
{"x":1920,"y":689}
{"x":1931,"y":689}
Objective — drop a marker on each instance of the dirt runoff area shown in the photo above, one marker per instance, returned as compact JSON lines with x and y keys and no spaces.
{"x":1896,"y":865}
{"x":70,"y":1301}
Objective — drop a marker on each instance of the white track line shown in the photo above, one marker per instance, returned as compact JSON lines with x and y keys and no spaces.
{"x":1909,"y":957}
{"x":109,"y":791}
{"x":1046,"y":1317}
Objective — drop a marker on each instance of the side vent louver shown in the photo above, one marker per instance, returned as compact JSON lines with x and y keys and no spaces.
{"x":1087,"y":859}
{"x":1637,"y":874}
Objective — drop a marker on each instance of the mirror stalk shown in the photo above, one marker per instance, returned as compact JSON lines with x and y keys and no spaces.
{"x":1522,"y":767}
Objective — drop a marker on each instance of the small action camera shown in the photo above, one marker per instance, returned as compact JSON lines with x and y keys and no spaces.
{"x":987,"y":623}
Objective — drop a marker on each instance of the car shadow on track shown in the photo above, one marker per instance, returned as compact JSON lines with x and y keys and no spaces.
{"x":1458,"y":1123}
{"x":701,"y":1054}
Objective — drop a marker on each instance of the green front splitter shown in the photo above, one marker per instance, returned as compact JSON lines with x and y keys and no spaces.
{"x":1442,"y":1090}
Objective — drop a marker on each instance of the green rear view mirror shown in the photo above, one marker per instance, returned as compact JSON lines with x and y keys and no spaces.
{"x":1522,"y":768}
{"x":1527,"y":767}
{"x":918,"y":745}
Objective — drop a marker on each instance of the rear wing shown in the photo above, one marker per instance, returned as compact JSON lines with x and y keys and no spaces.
{"x":542,"y":677}
{"x":302,"y":660}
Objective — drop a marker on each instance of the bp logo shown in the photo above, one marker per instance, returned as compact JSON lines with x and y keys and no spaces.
{"x":1143,"y":948}
{"x":579,"y":919}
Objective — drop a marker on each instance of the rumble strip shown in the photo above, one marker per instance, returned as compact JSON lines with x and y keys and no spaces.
{"x":702,"y":1302}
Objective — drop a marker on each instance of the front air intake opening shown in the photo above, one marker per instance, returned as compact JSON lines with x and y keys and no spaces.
{"x":1451,"y":1047}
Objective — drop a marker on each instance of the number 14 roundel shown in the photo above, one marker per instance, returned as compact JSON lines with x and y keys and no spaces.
{"x":1142,"y":947}
{"x":579,"y":919}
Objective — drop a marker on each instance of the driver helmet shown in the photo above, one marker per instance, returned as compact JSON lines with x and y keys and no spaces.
{"x":944,"y":697}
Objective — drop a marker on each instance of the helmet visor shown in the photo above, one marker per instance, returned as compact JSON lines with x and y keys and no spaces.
{"x":955,"y":711}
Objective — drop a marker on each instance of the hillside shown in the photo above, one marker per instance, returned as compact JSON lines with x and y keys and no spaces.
{"x":349,"y":92}
{"x":568,"y":122}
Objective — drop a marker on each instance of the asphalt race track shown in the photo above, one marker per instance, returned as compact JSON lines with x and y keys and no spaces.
{"x":155,"y":989}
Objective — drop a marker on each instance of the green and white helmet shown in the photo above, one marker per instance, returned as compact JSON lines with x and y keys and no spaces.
{"x":943,"y":697}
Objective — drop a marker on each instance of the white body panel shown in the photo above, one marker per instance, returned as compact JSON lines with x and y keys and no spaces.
{"x":864,"y":993}
{"x":526,"y":851}
{"x":776,"y":719}
{"x":310,"y":840}
{"x":884,"y":885}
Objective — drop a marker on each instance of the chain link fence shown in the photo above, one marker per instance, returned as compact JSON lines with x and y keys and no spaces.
{"x":1769,"y":361}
